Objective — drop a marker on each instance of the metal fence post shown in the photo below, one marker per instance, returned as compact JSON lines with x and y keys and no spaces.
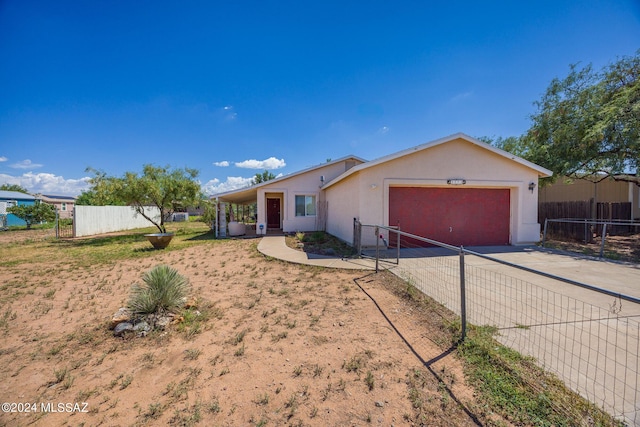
{"x":585,"y":231}
{"x":398,"y":245}
{"x":377,"y":230}
{"x":604,"y":237}
{"x":355,"y":230}
{"x":463,"y":299}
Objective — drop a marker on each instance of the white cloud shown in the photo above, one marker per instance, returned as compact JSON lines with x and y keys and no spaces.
{"x":229,"y":113}
{"x":215,"y":186}
{"x":3,"y":159}
{"x":47,"y":183}
{"x":461,"y":96}
{"x":383,"y":130}
{"x":26,"y":164}
{"x":270,"y":163}
{"x":222,"y":164}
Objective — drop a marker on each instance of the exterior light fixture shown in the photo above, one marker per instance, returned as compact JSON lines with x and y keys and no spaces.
{"x":456,"y":181}
{"x":532,"y":186}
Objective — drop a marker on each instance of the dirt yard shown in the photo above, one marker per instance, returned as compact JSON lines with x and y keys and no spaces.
{"x":276,"y":344}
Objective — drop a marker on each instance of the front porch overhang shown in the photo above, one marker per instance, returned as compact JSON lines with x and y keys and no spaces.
{"x":239,"y":197}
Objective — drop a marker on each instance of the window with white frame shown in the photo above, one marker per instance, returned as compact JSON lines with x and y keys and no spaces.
{"x":64,"y":206}
{"x":305,"y":205}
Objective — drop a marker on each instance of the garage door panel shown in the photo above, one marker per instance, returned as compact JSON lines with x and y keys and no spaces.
{"x":457,"y":216}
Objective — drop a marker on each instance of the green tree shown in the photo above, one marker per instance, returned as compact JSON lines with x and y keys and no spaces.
{"x":262,"y":177}
{"x":13,"y":187}
{"x":209,"y":212}
{"x":588,"y":124}
{"x":168,"y":190}
{"x":32,"y":214}
{"x":104,"y":190}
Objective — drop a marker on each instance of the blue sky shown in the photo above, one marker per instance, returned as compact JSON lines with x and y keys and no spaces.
{"x":232,"y":88}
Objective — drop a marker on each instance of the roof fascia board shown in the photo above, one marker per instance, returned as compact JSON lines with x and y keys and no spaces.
{"x":541,"y":171}
{"x":292,"y":175}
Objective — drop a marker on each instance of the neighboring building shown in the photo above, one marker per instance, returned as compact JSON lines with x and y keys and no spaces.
{"x":63,"y":204}
{"x":14,"y":198}
{"x":456,"y":189}
{"x":605,"y":191}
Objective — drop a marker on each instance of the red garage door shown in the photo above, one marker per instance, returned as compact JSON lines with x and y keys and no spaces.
{"x":457,"y":216}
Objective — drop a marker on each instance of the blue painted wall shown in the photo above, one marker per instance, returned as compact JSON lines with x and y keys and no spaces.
{"x":21,"y":199}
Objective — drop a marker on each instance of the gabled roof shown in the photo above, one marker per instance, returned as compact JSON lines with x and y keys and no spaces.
{"x":248,"y":193}
{"x":15,"y":195}
{"x":541,"y":171}
{"x":52,"y":198}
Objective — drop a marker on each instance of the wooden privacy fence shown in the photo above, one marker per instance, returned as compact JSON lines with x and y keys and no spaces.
{"x":584,"y":210}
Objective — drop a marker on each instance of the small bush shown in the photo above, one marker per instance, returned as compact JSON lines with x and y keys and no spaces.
{"x":164,"y":290}
{"x":318,"y":237}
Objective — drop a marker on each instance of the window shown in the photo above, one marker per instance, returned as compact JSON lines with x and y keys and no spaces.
{"x":64,"y":206}
{"x":305,"y":205}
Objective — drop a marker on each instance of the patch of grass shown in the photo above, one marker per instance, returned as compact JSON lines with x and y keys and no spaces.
{"x":317,"y":370}
{"x":126,"y":382}
{"x":292,"y":405}
{"x":154,"y":411}
{"x":282,"y":335}
{"x":214,"y":405}
{"x":370,"y":381}
{"x":239,"y":337}
{"x":262,"y":399}
{"x":60,"y":375}
{"x":355,"y":364}
{"x":240,"y":351}
{"x":192,"y":353}
{"x":89,"y":252}
{"x":187,"y":417}
{"x":513,"y":386}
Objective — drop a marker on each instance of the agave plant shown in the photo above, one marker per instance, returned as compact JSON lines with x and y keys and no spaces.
{"x":164,"y":290}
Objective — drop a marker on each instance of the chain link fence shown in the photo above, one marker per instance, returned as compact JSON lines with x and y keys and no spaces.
{"x":593,"y":348}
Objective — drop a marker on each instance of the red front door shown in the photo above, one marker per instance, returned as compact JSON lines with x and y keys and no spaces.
{"x":273,"y":213}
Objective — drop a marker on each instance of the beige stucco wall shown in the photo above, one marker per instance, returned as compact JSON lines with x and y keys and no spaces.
{"x":343,"y":203}
{"x":304,"y":184}
{"x":480,"y":168}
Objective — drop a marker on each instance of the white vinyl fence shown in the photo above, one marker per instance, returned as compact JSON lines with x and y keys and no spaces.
{"x":92,"y":220}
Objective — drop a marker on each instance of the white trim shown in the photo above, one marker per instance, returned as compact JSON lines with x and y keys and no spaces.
{"x":541,"y":171}
{"x":305,"y":194}
{"x":292,"y":175}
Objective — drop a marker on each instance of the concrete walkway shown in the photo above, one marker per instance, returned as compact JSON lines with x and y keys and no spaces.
{"x":275,"y":247}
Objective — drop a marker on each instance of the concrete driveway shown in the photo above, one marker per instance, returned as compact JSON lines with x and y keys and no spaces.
{"x":590,"y":340}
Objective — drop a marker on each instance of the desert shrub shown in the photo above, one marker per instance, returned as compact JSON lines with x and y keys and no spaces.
{"x":318,"y":236}
{"x":164,"y":290}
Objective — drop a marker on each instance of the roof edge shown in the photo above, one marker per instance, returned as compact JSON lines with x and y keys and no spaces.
{"x":543,"y":172}
{"x":291,"y":175}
